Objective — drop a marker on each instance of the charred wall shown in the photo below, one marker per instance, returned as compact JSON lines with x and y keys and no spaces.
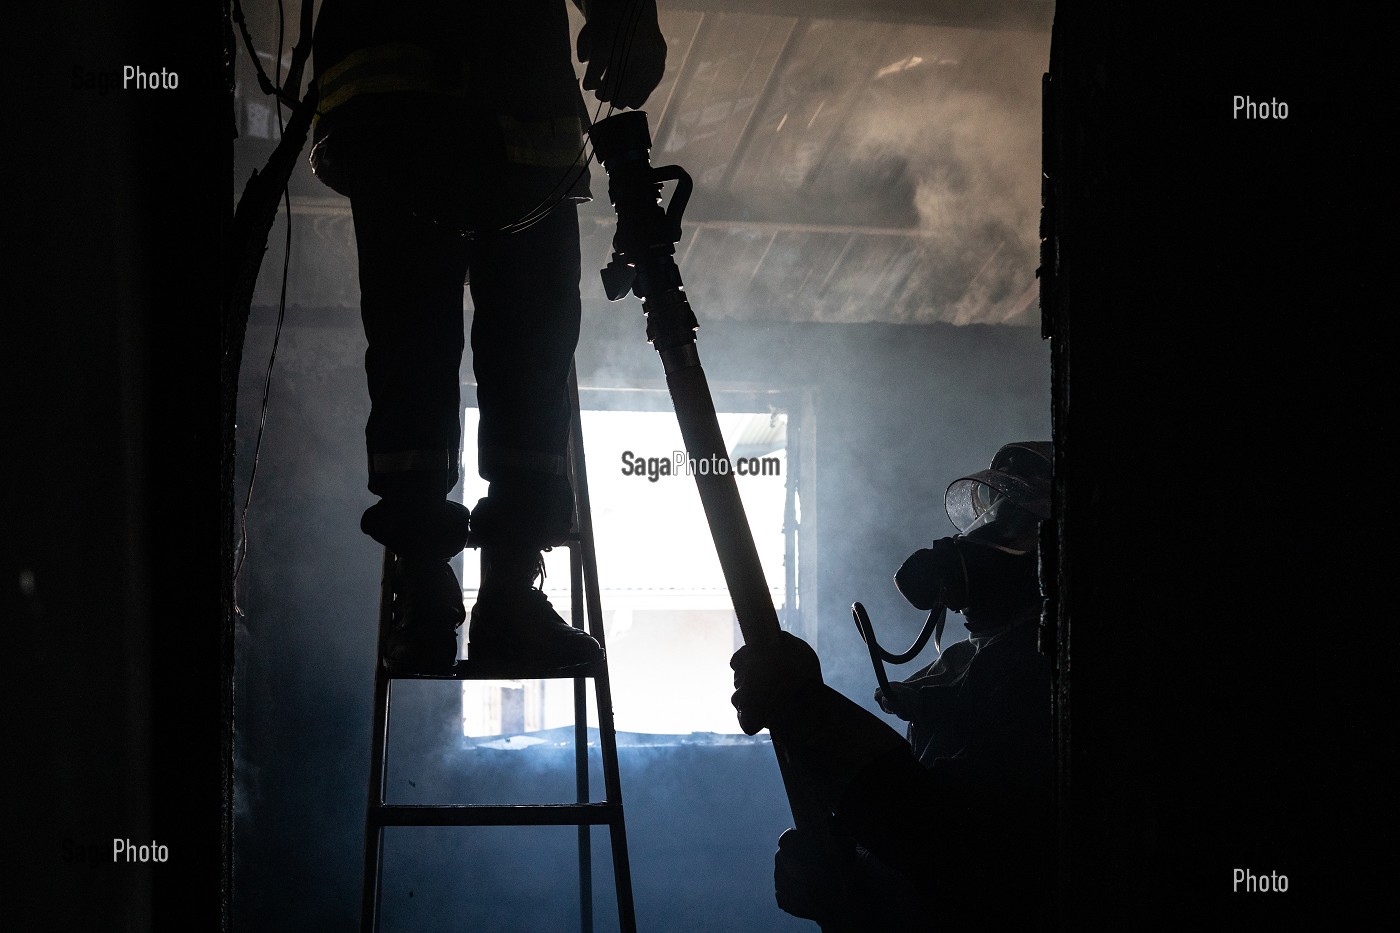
{"x":1218,"y":672}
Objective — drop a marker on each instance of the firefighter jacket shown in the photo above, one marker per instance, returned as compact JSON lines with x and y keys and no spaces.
{"x":451,"y":94}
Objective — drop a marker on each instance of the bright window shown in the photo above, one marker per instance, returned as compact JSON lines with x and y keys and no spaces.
{"x":668,"y":620}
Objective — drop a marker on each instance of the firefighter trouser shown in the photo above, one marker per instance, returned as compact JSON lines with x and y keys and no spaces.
{"x":525,"y":291}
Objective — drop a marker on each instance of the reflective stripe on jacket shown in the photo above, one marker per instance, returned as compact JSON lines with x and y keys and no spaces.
{"x":394,"y":66}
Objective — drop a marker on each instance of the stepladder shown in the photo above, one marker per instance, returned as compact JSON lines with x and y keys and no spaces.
{"x":584,"y":812}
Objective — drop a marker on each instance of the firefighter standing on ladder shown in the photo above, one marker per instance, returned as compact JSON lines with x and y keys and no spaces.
{"x":456,"y":130}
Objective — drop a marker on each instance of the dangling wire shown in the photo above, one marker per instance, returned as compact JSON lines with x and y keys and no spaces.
{"x":277,"y":331}
{"x":933,"y":627}
{"x":268,"y":87}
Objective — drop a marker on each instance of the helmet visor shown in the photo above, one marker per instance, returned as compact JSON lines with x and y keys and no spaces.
{"x":971,"y":498}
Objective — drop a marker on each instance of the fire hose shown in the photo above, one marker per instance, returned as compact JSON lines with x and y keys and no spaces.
{"x":643,"y":263}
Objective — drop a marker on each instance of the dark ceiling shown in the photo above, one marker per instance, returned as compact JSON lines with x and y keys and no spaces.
{"x":853,"y":161}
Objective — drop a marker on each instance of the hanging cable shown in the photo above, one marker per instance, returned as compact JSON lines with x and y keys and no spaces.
{"x":277,"y":330}
{"x":268,"y":87}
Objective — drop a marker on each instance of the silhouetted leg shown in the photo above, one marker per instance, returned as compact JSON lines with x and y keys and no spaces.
{"x":411,"y":275}
{"x":526,"y":290}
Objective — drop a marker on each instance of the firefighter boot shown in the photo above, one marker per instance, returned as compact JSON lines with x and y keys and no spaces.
{"x":424,"y":617}
{"x":423,"y":534}
{"x":513,"y":622}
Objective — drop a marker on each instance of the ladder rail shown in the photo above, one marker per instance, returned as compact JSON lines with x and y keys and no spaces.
{"x":581,"y":784}
{"x":595,"y":813}
{"x":378,"y":761}
{"x":602,"y":684}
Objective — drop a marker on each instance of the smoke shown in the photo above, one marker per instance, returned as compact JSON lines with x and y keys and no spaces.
{"x":860,"y":173}
{"x":898,"y":411}
{"x":947,"y":145}
{"x":963,"y":120}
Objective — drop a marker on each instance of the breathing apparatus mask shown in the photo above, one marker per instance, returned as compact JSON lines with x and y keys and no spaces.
{"x":988,"y":570}
{"x":990,"y":565}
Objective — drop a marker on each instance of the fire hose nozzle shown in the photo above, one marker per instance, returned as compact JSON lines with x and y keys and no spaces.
{"x":646,"y":233}
{"x":618,"y":277}
{"x":621,"y":137}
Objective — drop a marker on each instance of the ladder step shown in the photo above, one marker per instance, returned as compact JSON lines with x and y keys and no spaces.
{"x":495,"y":670}
{"x":534,"y":814}
{"x":573,"y":539}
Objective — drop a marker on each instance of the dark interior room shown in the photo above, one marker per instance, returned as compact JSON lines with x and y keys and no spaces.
{"x":918,"y":231}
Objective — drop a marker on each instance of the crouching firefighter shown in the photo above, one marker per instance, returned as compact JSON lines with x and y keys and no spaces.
{"x":948,"y":827}
{"x":456,"y":130}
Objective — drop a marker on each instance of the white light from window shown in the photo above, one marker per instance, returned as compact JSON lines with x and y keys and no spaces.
{"x":668,"y":619}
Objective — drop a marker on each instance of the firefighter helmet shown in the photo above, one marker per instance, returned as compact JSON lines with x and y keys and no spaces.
{"x":1019,"y":476}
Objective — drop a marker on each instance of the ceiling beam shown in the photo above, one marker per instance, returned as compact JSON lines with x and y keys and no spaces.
{"x":795,"y":32}
{"x":340,"y":207}
{"x":762,"y":226}
{"x":1028,"y":15}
